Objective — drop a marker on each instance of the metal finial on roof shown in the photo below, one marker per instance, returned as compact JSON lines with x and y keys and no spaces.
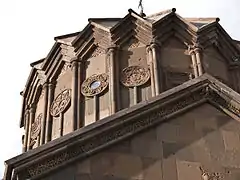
{"x":141,"y":7}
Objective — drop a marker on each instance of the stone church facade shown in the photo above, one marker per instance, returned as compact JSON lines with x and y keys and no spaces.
{"x":140,"y":97}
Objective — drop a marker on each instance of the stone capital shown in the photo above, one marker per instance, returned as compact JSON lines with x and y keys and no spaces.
{"x":197,"y":47}
{"x":32,"y":108}
{"x":45,"y":84}
{"x":155,"y":44}
{"x":51,"y":85}
{"x":112,"y":48}
{"x":148,"y":48}
{"x":191,"y":52}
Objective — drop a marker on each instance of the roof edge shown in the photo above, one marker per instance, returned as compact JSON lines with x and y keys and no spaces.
{"x":66,"y":35}
{"x":37,"y":62}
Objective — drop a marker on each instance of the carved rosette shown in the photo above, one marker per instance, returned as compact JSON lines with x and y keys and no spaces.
{"x":95,"y":85}
{"x":61,"y":102}
{"x":36,"y":128}
{"x":135,"y":76}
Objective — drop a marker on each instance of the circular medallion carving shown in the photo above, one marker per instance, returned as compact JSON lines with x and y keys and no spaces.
{"x":61,"y":102}
{"x":135,"y":76}
{"x":94,"y":84}
{"x":36,"y":127}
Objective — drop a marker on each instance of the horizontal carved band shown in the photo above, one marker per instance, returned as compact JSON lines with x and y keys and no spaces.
{"x":61,"y":102}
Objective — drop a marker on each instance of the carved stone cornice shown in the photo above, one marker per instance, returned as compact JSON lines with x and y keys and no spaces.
{"x":85,"y":141}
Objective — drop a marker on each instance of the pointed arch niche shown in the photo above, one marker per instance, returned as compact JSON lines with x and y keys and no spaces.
{"x":133,"y":53}
{"x":175,"y":62}
{"x":94,"y":66}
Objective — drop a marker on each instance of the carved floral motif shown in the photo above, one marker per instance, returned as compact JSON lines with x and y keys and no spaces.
{"x":95,"y":84}
{"x":61,"y":102}
{"x":225,"y":102}
{"x":135,"y":76}
{"x":36,"y":127}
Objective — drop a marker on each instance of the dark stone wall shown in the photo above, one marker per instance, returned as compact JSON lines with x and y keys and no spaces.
{"x":204,"y":138}
{"x":215,"y":64}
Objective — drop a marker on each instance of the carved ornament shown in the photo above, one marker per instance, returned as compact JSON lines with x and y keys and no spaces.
{"x":132,"y":124}
{"x":124,"y":130}
{"x":94,"y":85}
{"x":36,"y":127}
{"x":135,"y":76}
{"x":61,"y":102}
{"x":211,"y":175}
{"x":97,"y":52}
{"x":225,"y":102}
{"x":42,"y":94}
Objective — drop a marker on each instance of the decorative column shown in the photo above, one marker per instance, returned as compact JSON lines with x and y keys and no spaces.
{"x":32,"y":111}
{"x":49,"y":116}
{"x":135,"y":95}
{"x":43,"y":123}
{"x":117,"y":80}
{"x":194,"y":62}
{"x":112,"y":80}
{"x":26,"y":127}
{"x":156,"y":72}
{"x":79,"y":99}
{"x":74,"y":94}
{"x":198,"y":50}
{"x":150,"y":62}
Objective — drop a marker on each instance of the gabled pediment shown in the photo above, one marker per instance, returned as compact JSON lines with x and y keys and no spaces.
{"x":67,"y":39}
{"x":123,"y":124}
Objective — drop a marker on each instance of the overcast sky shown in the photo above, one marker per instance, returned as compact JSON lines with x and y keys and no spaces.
{"x":27,"y":29}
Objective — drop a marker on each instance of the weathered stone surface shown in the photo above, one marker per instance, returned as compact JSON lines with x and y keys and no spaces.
{"x":141,"y":60}
{"x":152,"y":155}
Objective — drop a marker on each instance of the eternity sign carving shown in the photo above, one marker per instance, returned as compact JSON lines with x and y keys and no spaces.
{"x":61,"y":102}
{"x":94,"y":84}
{"x":135,"y":76}
{"x":36,"y":127}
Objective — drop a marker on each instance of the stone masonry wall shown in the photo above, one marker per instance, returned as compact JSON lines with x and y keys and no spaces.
{"x":202,"y":140}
